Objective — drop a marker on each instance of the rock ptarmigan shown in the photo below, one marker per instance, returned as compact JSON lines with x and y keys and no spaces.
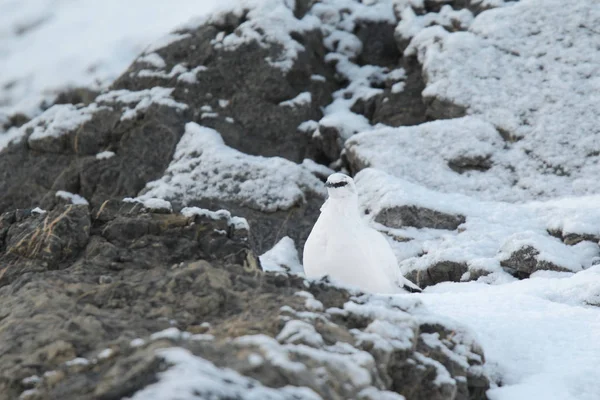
{"x":343,"y":246}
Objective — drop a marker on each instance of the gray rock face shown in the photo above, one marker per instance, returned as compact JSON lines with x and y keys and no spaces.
{"x":402,"y":108}
{"x":418,"y":217}
{"x":524,"y":262}
{"x":241,"y":99}
{"x":72,"y":280}
{"x":443,"y":271}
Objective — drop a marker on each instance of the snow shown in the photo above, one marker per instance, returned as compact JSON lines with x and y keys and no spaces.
{"x":296,"y":331}
{"x":62,"y":119}
{"x":31,"y":380}
{"x":77,"y":361}
{"x":311,"y":303}
{"x":58,"y":120}
{"x":190,"y":375}
{"x":152,"y":59}
{"x":538,"y":338}
{"x":142,"y":100}
{"x":267,"y":22}
{"x":72,"y":198}
{"x":237,"y":223}
{"x":165,"y":41}
{"x":492,"y":230}
{"x":397,"y":87}
{"x":29,"y":394}
{"x":204,"y":167}
{"x":38,"y":210}
{"x":151,"y":203}
{"x":442,"y":374}
{"x":319,"y":170}
{"x":423,"y":154}
{"x":105,"y":155}
{"x":194,"y":377}
{"x":138,"y":342}
{"x":35,"y":62}
{"x":191,"y":76}
{"x":412,"y":24}
{"x":522,"y":164}
{"x":283,"y":257}
{"x":169,"y":333}
{"x":106,"y":353}
{"x":300,"y":100}
{"x":175,"y":71}
{"x":540,"y":90}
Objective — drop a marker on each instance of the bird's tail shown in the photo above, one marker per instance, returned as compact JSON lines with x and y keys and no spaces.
{"x":412,"y":288}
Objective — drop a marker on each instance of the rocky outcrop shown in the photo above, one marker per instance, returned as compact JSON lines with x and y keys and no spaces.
{"x":122,"y":272}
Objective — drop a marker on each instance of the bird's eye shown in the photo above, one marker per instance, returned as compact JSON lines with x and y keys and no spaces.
{"x":336,"y":184}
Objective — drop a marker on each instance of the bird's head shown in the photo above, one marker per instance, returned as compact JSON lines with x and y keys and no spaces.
{"x":340,"y":186}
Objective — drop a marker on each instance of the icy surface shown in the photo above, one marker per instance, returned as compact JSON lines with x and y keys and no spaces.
{"x":204,"y":167}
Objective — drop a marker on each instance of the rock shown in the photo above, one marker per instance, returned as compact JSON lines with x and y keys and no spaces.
{"x":329,"y":142}
{"x":80,"y":95}
{"x":16,"y":120}
{"x":90,"y":280}
{"x":52,"y":237}
{"x":524,"y":261}
{"x":443,"y":271}
{"x":228,"y":94}
{"x":140,"y":272}
{"x":397,"y":108}
{"x":379,"y":46}
{"x":570,"y":239}
{"x":418,"y":217}
{"x":463,"y":164}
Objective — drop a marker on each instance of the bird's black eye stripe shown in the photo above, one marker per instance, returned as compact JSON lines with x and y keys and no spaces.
{"x":336,"y":184}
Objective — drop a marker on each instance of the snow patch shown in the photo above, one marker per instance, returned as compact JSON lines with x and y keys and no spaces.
{"x":105,"y":155}
{"x":204,"y":167}
{"x":192,"y":377}
{"x":72,"y":198}
{"x":491,"y":231}
{"x":283,"y":257}
{"x":300,"y":100}
{"x":142,"y":100}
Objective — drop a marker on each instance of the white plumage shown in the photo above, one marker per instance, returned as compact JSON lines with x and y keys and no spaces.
{"x":343,"y":246}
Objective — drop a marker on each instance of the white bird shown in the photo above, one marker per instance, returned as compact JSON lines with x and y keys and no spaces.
{"x":343,"y":246}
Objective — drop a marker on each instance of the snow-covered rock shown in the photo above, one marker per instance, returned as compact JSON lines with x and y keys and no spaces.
{"x":440,"y":237}
{"x":529,"y":70}
{"x":203,"y":167}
